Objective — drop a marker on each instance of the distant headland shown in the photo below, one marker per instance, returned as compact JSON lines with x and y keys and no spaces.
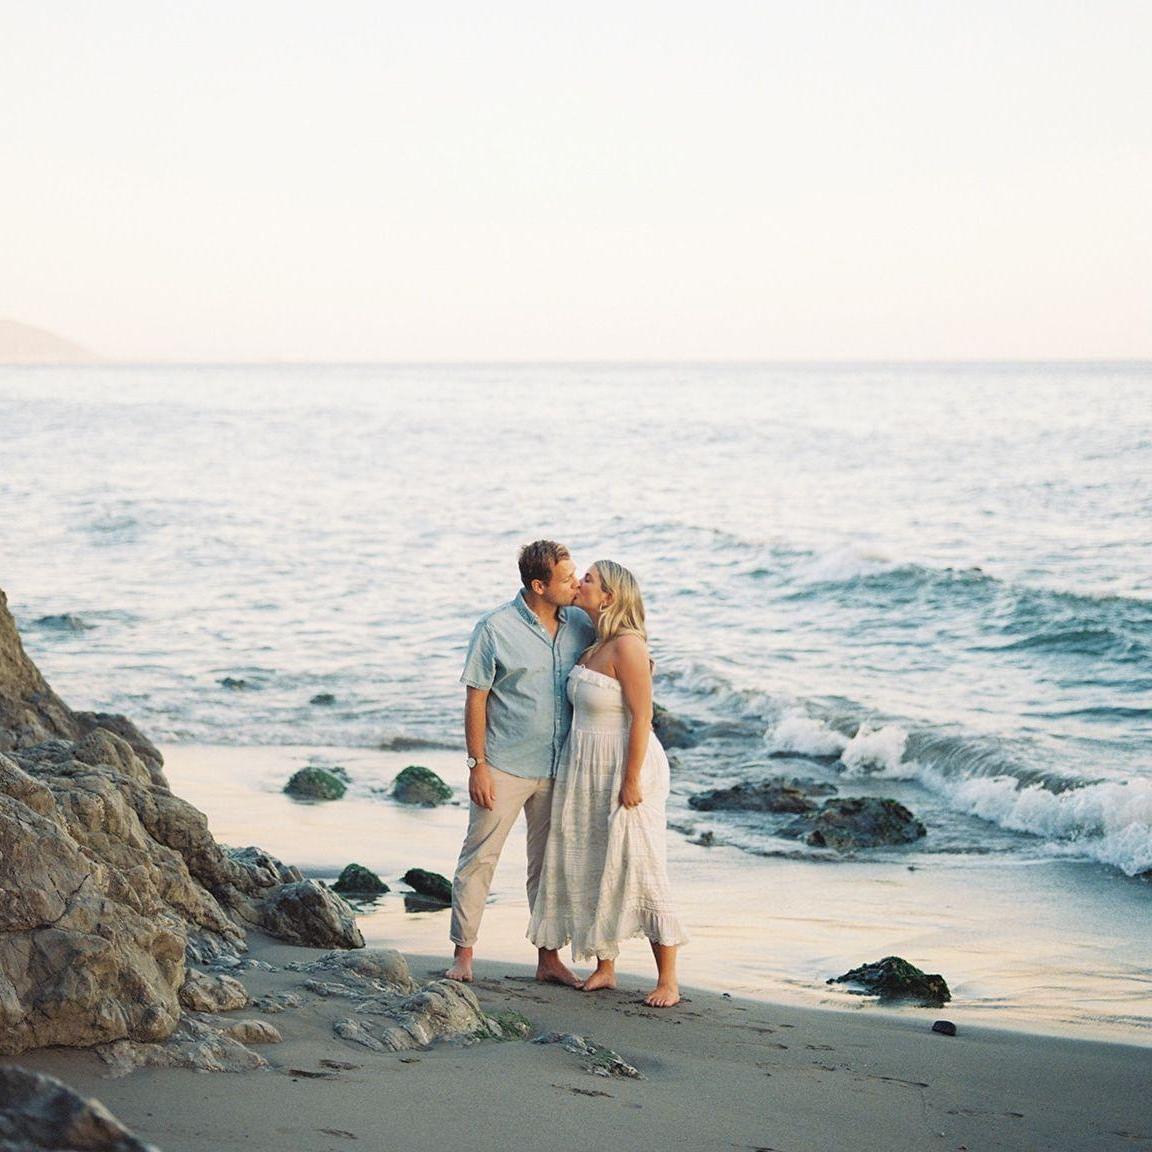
{"x":25,"y":344}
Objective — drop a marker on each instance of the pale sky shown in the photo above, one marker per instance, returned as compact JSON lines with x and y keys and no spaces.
{"x":444,"y":180}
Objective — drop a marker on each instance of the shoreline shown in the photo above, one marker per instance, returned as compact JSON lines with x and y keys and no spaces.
{"x":717,"y":1072}
{"x":767,"y":929}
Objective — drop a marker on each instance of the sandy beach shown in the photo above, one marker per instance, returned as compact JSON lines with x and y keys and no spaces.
{"x":772,"y":929}
{"x":717,"y":1073}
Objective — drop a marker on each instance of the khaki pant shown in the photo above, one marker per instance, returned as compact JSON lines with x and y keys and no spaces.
{"x":488,"y":828}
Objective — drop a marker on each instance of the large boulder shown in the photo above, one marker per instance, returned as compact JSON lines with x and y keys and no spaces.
{"x":38,"y":1112}
{"x":775,"y":795}
{"x":893,"y":978}
{"x":857,"y":822}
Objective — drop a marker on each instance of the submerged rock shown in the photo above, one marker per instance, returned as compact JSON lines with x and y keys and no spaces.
{"x":430,"y":884}
{"x":234,"y":684}
{"x":674,"y":731}
{"x":38,"y":1112}
{"x":316,"y":784}
{"x":356,"y":879}
{"x":417,"y":785}
{"x":323,"y":699}
{"x":65,"y":622}
{"x":894,"y":978}
{"x":857,"y":822}
{"x":775,"y":795}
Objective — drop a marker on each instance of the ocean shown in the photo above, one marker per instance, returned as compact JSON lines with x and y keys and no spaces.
{"x":930,"y":582}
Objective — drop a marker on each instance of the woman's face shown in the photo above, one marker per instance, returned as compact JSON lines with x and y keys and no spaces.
{"x":591,"y":595}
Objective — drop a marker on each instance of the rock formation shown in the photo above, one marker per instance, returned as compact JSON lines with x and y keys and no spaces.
{"x":40,"y":1112}
{"x":110,"y":883}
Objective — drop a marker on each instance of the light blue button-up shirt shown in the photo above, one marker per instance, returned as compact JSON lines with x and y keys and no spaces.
{"x":525,"y":672}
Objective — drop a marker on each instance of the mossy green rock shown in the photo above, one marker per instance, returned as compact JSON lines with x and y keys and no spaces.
{"x":360,"y":880}
{"x":430,"y":884}
{"x":417,"y":785}
{"x":316,"y":784}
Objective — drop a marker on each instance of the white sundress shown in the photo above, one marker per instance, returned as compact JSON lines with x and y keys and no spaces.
{"x":605,"y":877}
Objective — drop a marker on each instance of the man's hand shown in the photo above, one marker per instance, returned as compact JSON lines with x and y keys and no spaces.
{"x":630,"y":794}
{"x":481,"y":786}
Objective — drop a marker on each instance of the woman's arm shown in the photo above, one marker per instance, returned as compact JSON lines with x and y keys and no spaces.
{"x":634,"y":671}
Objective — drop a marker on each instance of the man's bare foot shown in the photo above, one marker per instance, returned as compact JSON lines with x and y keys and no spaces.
{"x":462,"y":966}
{"x":663,"y":996}
{"x":603,"y":977}
{"x":550,"y":969}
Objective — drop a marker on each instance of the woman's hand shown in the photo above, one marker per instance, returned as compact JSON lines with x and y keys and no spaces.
{"x":630,"y":794}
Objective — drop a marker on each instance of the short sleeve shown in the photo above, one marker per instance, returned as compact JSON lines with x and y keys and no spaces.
{"x":480,"y":663}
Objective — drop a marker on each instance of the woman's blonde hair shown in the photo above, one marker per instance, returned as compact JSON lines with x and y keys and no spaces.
{"x":625,"y":615}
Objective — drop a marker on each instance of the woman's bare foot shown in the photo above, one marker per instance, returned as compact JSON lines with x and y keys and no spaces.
{"x":550,"y":969}
{"x":663,"y":996}
{"x":603,"y":977}
{"x":462,"y":966}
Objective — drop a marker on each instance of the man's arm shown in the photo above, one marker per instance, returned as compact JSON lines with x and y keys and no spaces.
{"x":480,"y":786}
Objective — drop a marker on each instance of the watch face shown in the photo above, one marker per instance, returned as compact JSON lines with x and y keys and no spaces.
{"x":471,"y":761}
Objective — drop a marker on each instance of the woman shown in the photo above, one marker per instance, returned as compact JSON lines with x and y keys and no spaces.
{"x":604,"y":877}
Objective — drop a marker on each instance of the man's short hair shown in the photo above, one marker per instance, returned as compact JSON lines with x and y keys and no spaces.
{"x":538,"y":559}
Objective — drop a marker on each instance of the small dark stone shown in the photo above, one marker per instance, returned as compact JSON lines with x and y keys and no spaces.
{"x":316,"y":784}
{"x":323,"y":698}
{"x":895,"y":979}
{"x":944,"y":1027}
{"x":430,"y":884}
{"x":233,"y":684}
{"x":356,"y":878}
{"x":417,"y":785}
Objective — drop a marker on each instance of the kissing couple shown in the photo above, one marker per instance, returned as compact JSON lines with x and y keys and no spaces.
{"x":558,"y":724}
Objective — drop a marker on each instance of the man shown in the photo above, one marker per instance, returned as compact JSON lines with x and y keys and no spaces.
{"x":516,"y":719}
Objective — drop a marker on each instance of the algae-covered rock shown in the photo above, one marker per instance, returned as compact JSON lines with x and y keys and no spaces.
{"x":417,"y":785}
{"x":316,"y":784}
{"x":430,"y":884}
{"x":359,"y":880}
{"x":893,"y":978}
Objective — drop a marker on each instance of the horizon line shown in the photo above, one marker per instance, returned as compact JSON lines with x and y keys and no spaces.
{"x":735,"y":361}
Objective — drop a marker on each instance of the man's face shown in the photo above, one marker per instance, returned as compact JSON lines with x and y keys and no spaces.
{"x":562,"y":587}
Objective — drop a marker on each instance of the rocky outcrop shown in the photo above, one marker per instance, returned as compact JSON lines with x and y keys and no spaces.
{"x":857,"y":822}
{"x":109,"y":883}
{"x":775,"y":795}
{"x":418,"y":785}
{"x":893,"y":979}
{"x":38,"y":1112}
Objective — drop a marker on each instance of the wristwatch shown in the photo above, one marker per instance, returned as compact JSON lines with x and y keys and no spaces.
{"x":472,"y":762}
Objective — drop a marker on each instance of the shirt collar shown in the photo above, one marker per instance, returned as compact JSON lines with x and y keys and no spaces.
{"x":530,"y":616}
